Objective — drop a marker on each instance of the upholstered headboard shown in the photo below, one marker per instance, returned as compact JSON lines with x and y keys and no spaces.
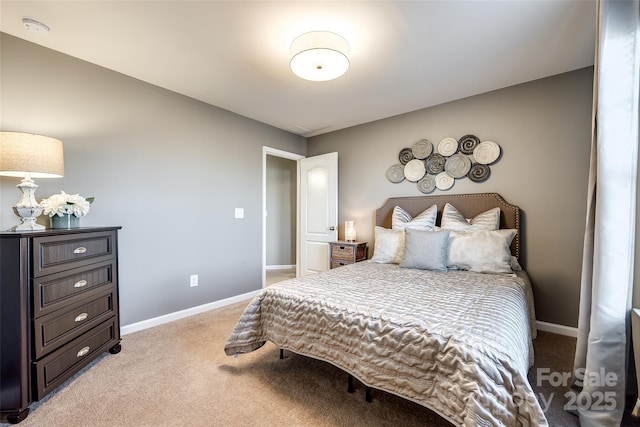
{"x":469,"y":205}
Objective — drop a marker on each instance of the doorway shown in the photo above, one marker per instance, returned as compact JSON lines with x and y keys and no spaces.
{"x":280,"y":221}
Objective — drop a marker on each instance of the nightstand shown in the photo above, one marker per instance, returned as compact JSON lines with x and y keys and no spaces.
{"x":343,"y":253}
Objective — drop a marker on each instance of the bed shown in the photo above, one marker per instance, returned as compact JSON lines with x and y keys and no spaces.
{"x":456,"y":340}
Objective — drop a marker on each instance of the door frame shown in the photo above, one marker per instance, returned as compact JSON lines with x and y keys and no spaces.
{"x":268,"y":151}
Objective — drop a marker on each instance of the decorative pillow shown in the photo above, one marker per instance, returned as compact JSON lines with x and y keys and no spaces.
{"x":481,"y":251}
{"x":402,"y":220}
{"x":452,"y":219}
{"x":515,"y":265}
{"x":426,"y":250}
{"x":389,"y":246}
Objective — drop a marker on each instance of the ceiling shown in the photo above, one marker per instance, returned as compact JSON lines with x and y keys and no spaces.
{"x":405,"y":55}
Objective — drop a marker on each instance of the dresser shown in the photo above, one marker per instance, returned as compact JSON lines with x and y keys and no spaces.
{"x":58,"y":309}
{"x":343,"y":252}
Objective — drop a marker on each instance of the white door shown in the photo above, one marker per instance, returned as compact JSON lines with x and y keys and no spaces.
{"x":318,"y":211}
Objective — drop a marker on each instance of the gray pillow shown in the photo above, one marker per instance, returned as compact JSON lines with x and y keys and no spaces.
{"x":425,"y":250}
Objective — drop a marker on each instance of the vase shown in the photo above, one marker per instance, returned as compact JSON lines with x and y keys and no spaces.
{"x":65,"y":221}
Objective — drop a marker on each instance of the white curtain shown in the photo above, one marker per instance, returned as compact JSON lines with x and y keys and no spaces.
{"x":600,"y":364}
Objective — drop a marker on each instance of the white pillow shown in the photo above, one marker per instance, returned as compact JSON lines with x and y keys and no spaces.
{"x":389,"y":246}
{"x":481,"y":251}
{"x":426,"y":220}
{"x":452,"y":219}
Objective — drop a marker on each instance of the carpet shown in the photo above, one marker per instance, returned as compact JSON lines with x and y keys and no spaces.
{"x":177,"y":374}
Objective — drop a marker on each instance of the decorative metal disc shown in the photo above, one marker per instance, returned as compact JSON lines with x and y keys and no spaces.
{"x":405,"y":156}
{"x":458,"y":165}
{"x":435,"y":163}
{"x":479,"y":172}
{"x":414,"y":170}
{"x":395,"y":173}
{"x":444,"y":181}
{"x":448,"y":146}
{"x":422,"y":149}
{"x":486,"y":152}
{"x":427,"y":184}
{"x":468,"y":143}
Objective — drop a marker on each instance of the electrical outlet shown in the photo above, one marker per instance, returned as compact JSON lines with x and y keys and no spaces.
{"x":194,"y":280}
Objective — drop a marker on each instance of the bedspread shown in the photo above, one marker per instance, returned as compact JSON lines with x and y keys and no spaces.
{"x":456,"y":342}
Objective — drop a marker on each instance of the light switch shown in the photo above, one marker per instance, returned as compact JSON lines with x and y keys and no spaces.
{"x":239,"y":212}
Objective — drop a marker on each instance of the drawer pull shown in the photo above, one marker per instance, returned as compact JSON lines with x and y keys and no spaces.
{"x":83,"y":351}
{"x":80,"y":317}
{"x":80,"y":250}
{"x":80,"y":284}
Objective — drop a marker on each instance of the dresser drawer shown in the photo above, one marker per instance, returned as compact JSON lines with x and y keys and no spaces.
{"x":62,"y":326}
{"x":345,"y":253}
{"x":52,"y":254}
{"x":335,"y":264}
{"x":63,"y":363}
{"x":56,"y":291}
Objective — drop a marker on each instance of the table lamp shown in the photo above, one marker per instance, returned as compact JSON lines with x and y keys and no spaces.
{"x":27,"y":156}
{"x":349,"y":231}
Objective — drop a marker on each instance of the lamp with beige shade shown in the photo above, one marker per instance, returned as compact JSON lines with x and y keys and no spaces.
{"x":28,"y":156}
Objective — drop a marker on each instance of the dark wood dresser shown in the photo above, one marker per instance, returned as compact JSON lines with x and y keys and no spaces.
{"x":58,"y":309}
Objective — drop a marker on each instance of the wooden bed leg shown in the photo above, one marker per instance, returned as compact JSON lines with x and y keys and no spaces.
{"x":367,"y":394}
{"x":281,"y":353}
{"x":350,"y":384}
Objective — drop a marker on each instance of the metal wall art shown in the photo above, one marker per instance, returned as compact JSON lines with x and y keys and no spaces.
{"x":432,"y":167}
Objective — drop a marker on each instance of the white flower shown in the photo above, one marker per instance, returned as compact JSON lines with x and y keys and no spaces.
{"x":63,"y":203}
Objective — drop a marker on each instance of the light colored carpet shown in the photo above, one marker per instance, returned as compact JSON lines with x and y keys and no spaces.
{"x":278,"y":275}
{"x":178,"y":375}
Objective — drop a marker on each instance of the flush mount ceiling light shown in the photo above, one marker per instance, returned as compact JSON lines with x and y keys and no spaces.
{"x":319,"y":56}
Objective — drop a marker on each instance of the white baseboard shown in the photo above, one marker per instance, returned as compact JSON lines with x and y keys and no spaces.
{"x":279,"y":267}
{"x":150,"y":323}
{"x":557,"y":329}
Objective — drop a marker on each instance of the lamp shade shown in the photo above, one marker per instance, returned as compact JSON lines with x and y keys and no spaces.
{"x":349,"y":231}
{"x":319,"y":56}
{"x":26,"y":153}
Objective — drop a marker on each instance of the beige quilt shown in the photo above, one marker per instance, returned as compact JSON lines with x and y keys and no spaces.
{"x":456,"y":342}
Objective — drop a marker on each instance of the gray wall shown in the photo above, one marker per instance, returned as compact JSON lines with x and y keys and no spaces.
{"x":281,"y":204}
{"x":171,"y":170}
{"x":544,"y":129}
{"x":167,"y":168}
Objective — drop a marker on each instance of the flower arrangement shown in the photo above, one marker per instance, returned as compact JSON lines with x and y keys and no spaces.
{"x":63,"y":203}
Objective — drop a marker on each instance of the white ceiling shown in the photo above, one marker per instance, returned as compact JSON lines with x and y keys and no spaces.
{"x":405,"y":55}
